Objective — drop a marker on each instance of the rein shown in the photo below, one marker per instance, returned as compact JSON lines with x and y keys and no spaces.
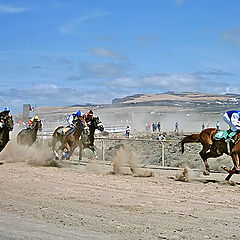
{"x":72,"y":130}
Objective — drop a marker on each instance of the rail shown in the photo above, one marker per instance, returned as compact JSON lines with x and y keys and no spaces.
{"x":46,"y":135}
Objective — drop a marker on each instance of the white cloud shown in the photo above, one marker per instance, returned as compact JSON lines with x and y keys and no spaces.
{"x":103,"y":70}
{"x":52,"y":95}
{"x":178,"y":82}
{"x":103,"y":52}
{"x":11,"y":9}
{"x":232,"y":35}
{"x":71,"y":27}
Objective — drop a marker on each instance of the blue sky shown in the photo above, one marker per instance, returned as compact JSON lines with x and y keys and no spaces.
{"x":65,"y":52}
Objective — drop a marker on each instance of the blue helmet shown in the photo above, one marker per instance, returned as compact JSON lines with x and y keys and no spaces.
{"x":79,"y":113}
{"x":6,"y":109}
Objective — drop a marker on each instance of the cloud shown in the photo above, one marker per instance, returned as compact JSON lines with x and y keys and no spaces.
{"x":215,"y":72}
{"x":106,"y":38}
{"x":146,"y":40}
{"x":103,"y":52}
{"x":178,"y":82}
{"x":71,"y":27}
{"x":52,"y":95}
{"x":179,"y":2}
{"x":232,"y":36}
{"x":11,"y":9}
{"x":103,"y":70}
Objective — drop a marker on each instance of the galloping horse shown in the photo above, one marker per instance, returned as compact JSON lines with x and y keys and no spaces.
{"x":28,"y":136}
{"x":88,"y":142}
{"x":6,"y":127}
{"x":212,"y":148}
{"x":68,"y":140}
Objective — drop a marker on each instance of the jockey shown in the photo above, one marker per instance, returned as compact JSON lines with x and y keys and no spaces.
{"x":72,"y":119}
{"x":89,"y":116}
{"x":5,"y":114}
{"x":232,"y":118}
{"x":31,"y":120}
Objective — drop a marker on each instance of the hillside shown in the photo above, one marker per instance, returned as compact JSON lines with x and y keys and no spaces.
{"x":177,"y":97}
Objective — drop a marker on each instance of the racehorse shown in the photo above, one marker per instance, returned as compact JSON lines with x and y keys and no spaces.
{"x":212,"y":148}
{"x":70,"y":139}
{"x":88,"y":142}
{"x":6,"y":127}
{"x":28,"y":136}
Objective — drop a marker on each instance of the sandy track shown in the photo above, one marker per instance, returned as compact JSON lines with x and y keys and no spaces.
{"x":75,"y":202}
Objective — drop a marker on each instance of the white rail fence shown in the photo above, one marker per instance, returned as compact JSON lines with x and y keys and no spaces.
{"x":45,"y":136}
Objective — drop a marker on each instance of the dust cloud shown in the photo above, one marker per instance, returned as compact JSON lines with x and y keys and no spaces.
{"x":34,"y":155}
{"x":125,"y":159}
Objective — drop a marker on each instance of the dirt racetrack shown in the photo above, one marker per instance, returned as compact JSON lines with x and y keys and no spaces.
{"x":90,"y":202}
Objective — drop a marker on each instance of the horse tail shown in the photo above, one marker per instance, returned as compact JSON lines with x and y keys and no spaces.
{"x":193,"y":138}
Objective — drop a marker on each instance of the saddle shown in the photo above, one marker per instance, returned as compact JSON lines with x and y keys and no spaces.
{"x":223,"y":134}
{"x":63,"y":130}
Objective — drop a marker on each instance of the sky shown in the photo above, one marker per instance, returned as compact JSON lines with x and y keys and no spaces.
{"x":67,"y":52}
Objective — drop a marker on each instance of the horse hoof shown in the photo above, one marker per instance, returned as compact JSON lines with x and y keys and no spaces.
{"x":205,"y":172}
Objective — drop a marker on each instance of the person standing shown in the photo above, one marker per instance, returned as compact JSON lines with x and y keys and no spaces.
{"x":203,"y":126}
{"x":159,"y":127}
{"x":218,"y":125}
{"x":128,"y":132}
{"x":176,"y":127}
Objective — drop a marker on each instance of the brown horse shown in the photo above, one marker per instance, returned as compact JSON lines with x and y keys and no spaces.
{"x":68,"y":140}
{"x":5,"y":128}
{"x":212,"y":148}
{"x":28,"y":136}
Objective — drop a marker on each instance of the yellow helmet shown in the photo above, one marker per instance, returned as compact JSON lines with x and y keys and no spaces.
{"x":36,"y":118}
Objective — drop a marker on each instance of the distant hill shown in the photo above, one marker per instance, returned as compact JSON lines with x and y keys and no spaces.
{"x":176,"y":97}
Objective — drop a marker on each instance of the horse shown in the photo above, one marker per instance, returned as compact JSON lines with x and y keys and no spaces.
{"x":6,"y":127}
{"x":28,"y":136}
{"x":68,"y":140}
{"x":88,"y":141}
{"x":212,"y":148}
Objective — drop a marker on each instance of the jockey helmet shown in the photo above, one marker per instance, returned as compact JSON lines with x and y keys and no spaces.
{"x":90,"y":112}
{"x":36,"y":118}
{"x":6,"y":109}
{"x":79,"y":113}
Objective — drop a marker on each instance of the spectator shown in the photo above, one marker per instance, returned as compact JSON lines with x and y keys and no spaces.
{"x":203,"y":126}
{"x":218,"y":125}
{"x":159,"y":126}
{"x":161,"y":137}
{"x":128,"y":132}
{"x":176,"y":127}
{"x":208,"y":125}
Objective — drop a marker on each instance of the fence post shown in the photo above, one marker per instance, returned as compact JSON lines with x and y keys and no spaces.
{"x":163,"y":159}
{"x":103,"y":147}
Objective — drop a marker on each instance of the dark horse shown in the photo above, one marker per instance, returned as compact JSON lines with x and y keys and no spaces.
{"x":6,"y":127}
{"x":88,"y":142}
{"x":212,"y":148}
{"x":28,"y":136}
{"x":68,"y":140}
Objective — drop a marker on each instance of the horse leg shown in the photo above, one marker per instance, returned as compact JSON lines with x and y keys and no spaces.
{"x":54,"y":142}
{"x":71,"y":151}
{"x":68,"y":152}
{"x":80,"y":151}
{"x":94,"y":151}
{"x":235,"y":169}
{"x":203,"y":154}
{"x":212,"y":153}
